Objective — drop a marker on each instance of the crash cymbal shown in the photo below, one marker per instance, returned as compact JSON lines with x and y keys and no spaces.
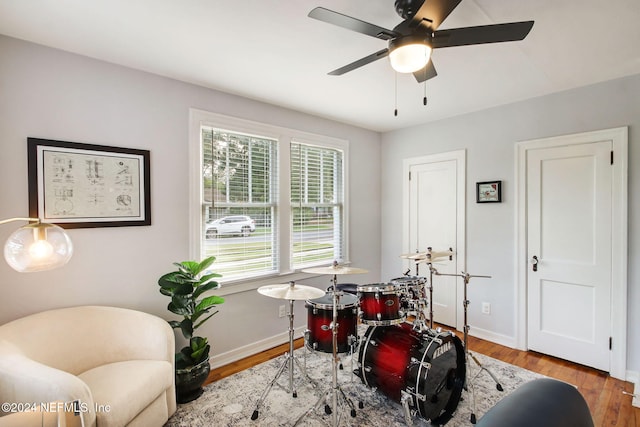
{"x":291,"y":291}
{"x":335,"y":269}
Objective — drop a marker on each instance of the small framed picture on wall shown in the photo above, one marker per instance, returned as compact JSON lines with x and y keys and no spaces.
{"x":489,"y":192}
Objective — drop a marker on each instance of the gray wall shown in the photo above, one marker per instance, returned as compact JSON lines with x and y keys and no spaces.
{"x":51,"y":94}
{"x":489,"y":138}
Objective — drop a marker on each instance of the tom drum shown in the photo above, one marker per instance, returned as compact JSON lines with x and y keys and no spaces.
{"x":319,"y":335}
{"x":380,"y":304}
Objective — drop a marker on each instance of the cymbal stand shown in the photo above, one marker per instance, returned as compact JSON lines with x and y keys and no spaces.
{"x":419,"y":324}
{"x":432,"y":270}
{"x":338,"y":397}
{"x":469,"y":382}
{"x":288,"y":363}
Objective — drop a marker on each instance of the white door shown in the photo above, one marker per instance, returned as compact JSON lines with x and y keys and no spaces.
{"x":435,"y":213}
{"x":569,"y":226}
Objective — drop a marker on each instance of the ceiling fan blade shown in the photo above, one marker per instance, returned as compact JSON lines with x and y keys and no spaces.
{"x":360,"y":62}
{"x":353,"y":24}
{"x":434,"y":12}
{"x":482,"y":34}
{"x":428,"y":72}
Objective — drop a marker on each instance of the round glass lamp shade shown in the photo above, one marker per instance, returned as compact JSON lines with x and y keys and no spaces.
{"x":38,"y":247}
{"x":410,"y":57}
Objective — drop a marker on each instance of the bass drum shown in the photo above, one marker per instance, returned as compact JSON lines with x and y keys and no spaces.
{"x":429,"y":367}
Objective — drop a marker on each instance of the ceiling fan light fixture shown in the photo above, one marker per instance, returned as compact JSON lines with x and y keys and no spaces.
{"x":409,"y":54}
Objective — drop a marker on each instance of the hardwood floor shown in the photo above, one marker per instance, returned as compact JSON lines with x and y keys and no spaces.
{"x":609,"y":407}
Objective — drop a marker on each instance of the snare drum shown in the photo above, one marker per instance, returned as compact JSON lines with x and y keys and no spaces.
{"x":411,"y":287}
{"x":427,"y":367}
{"x":380,"y":304}
{"x":319,"y":335}
{"x":411,"y":290}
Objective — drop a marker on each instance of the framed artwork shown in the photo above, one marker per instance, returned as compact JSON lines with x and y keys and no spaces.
{"x":489,"y":192}
{"x":77,"y":185}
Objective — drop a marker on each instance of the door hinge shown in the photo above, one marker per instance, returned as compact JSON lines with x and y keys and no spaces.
{"x":409,"y":175}
{"x":610,"y":343}
{"x":611,"y":156}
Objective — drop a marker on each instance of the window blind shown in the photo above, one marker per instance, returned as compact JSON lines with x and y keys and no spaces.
{"x":317,"y":205}
{"x":240,"y":197}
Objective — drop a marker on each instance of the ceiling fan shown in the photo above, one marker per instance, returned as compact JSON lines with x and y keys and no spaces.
{"x":411,"y":41}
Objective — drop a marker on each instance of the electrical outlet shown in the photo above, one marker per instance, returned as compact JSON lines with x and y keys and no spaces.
{"x":282,"y":311}
{"x":486,"y":308}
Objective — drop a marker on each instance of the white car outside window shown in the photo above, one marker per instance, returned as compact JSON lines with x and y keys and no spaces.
{"x":231,"y":225}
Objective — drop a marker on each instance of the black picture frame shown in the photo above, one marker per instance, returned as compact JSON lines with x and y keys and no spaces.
{"x":489,"y":192}
{"x":77,"y":185}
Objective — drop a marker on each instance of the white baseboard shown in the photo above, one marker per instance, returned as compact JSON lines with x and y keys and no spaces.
{"x":484,"y":334}
{"x":234,"y":355}
{"x":634,"y":377}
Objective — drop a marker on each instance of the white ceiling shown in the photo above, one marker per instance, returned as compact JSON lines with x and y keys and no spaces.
{"x":271,"y":51}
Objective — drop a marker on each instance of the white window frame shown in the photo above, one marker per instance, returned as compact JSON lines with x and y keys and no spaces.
{"x":284,"y":136}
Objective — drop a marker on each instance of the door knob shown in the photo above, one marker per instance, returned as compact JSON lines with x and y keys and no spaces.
{"x":534,"y":263}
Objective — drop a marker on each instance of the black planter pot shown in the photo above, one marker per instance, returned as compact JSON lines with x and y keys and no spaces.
{"x":189,"y":381}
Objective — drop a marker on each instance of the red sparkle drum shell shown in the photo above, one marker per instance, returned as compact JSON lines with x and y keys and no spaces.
{"x":319,"y":335}
{"x":429,"y":366}
{"x":380,"y":304}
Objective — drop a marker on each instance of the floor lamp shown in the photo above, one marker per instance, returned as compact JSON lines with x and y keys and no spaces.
{"x":37,"y":246}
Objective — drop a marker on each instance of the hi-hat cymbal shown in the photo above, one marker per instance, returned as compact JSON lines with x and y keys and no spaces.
{"x":425,"y":255}
{"x":432,"y":260}
{"x":291,"y":291}
{"x":424,"y":258}
{"x":335,"y":269}
{"x":415,"y":256}
{"x":442,"y":253}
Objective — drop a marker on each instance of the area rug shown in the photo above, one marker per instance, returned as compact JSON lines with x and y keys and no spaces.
{"x":231,"y":401}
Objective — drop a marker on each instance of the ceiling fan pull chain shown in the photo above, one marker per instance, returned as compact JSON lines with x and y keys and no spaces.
{"x":424,"y":100}
{"x":395,"y":112}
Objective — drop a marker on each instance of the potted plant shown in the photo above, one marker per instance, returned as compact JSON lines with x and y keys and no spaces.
{"x":186,"y":287}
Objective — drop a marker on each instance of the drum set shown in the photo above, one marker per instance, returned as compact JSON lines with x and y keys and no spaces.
{"x":399,"y":355}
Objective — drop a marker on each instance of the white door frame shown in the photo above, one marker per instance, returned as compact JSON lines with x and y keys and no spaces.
{"x":460,"y":156}
{"x":619,"y":247}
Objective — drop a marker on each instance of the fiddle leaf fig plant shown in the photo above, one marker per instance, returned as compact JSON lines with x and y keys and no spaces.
{"x":186,"y":287}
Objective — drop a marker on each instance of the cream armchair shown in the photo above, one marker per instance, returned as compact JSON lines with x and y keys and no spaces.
{"x":118,"y":363}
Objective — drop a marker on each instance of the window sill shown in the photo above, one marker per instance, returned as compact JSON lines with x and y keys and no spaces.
{"x":240,"y":286}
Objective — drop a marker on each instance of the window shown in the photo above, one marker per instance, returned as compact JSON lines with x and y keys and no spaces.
{"x":266,"y":200}
{"x":239,"y":200}
{"x":316,"y":203}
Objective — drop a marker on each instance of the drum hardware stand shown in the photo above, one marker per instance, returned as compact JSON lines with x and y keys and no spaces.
{"x":420,"y":324}
{"x":428,"y":259}
{"x":288,"y":362}
{"x":335,"y":390}
{"x":469,"y":382}
{"x":406,"y":400}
